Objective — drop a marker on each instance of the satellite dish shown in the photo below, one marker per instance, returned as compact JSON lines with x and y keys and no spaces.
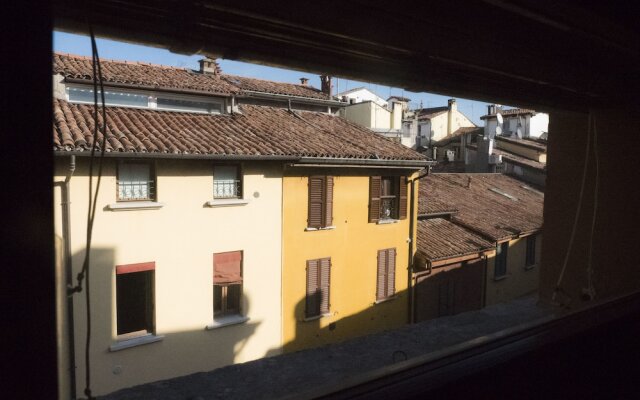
{"x":499,"y":117}
{"x":498,"y":130}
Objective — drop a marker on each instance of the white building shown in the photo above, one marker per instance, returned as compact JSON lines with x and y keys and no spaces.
{"x":516,"y":122}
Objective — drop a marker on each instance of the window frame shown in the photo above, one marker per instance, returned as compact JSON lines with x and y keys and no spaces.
{"x":500,"y":261}
{"x":326,"y":194}
{"x":239,"y":182}
{"x":530,"y":252}
{"x":153,"y":190}
{"x":376,"y":197}
{"x":388,"y":292}
{"x":322,"y":310}
{"x":147,"y":268}
{"x":225,"y":312}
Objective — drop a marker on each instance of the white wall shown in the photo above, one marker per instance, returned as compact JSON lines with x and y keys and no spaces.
{"x":539,"y":123}
{"x":364,"y":94}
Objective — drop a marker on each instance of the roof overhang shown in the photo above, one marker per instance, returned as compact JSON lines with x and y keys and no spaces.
{"x":361,"y":162}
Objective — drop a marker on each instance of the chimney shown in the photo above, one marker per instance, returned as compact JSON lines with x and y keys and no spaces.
{"x":326,"y":86}
{"x":452,"y":107}
{"x":209,"y":66}
{"x":304,"y":81}
{"x":491,"y":109}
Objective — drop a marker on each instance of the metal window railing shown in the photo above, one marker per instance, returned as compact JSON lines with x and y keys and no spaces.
{"x":388,"y":207}
{"x":136,"y":190}
{"x":226,"y":189}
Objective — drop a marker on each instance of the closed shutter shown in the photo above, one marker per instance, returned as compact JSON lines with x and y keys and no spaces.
{"x":312,"y":300}
{"x":402,"y":198}
{"x":374,"y":198}
{"x":380,"y":287}
{"x":391,"y":272}
{"x":386,"y":284}
{"x":325,"y":284}
{"x":316,"y":201}
{"x":328,"y":203}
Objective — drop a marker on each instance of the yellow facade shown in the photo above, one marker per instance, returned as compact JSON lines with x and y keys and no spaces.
{"x":353,"y":244}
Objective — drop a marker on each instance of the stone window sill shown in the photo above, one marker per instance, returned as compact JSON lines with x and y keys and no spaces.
{"x":134,"y":342}
{"x":395,"y":296}
{"x":387,"y":221}
{"x":307,"y":319}
{"x":227,"y":321}
{"x":325,"y":228}
{"x":135,"y":205}
{"x":227,"y":202}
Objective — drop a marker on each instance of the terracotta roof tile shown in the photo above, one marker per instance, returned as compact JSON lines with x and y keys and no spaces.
{"x":257,"y":131}
{"x":479,"y":207}
{"x":264,"y":86}
{"x":533,"y":144}
{"x":440,"y":239}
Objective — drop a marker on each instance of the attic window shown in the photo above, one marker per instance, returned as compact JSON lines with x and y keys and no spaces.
{"x":189,"y":105}
{"x":507,"y":195}
{"x":111,"y":98}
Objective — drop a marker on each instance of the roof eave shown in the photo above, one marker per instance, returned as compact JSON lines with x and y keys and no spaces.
{"x":158,"y":155}
{"x":367,"y":162}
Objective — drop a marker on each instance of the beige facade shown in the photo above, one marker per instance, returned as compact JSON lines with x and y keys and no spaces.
{"x":440,"y":123}
{"x":181,"y":238}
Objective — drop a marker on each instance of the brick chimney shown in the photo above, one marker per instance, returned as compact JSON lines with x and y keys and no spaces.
{"x":209,"y":66}
{"x":304,"y":81}
{"x":326,"y":86}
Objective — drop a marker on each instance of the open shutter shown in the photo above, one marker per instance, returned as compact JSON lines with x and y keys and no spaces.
{"x":374,"y":198}
{"x":316,"y":200}
{"x":402,"y":198}
{"x":381,"y":282}
{"x":227,"y":268}
{"x":313,"y":298}
{"x":391,"y":272}
{"x":325,"y":283}
{"x":328,"y":201}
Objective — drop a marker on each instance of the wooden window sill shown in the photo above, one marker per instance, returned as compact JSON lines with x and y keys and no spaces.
{"x":136,"y":341}
{"x":324,"y":228}
{"x":134,"y":205}
{"x":227,"y":202}
{"x":227,"y":320}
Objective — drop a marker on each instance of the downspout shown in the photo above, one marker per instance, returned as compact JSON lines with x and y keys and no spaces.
{"x":412,"y":216}
{"x":66,"y":237}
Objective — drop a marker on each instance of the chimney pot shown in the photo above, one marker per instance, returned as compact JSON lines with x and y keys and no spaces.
{"x":209,"y":66}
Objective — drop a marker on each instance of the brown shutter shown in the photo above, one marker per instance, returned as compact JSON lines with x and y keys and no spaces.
{"x":227,"y":267}
{"x":328,"y":202}
{"x":312,"y":301}
{"x":381,"y":282}
{"x":391,"y":272}
{"x":316,"y":200}
{"x":402,"y":198}
{"x":325,"y":283}
{"x":374,"y":198}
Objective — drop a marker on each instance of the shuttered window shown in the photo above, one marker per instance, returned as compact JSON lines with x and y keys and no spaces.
{"x":318,"y":283}
{"x":386,"y":284}
{"x":136,"y":181}
{"x":387,"y":198}
{"x":134,"y":299}
{"x":227,"y":283}
{"x":530,"y":258}
{"x":320,"y":201}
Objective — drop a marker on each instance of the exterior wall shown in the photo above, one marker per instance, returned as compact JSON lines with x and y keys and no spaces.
{"x":519,"y":280}
{"x":527,"y":174}
{"x":527,"y":152}
{"x":181,"y":238}
{"x":353,"y":247}
{"x":396,"y":115}
{"x":381,"y":117}
{"x":439,"y":126}
{"x":359,"y":113}
{"x":538,"y":124}
{"x":363,"y":95}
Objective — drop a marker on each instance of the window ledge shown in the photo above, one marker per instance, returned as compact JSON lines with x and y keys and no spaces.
{"x":227,"y":321}
{"x":387,"y":221}
{"x":138,"y":341}
{"x":227,"y":202}
{"x":135,"y":205}
{"x":326,"y":228}
{"x":395,"y":296}
{"x":500,"y":278}
{"x":307,"y":319}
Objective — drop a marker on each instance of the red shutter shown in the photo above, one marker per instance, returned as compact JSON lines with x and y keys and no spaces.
{"x":325,"y":284}
{"x":316,"y":200}
{"x":391,"y":272}
{"x":129,"y":268}
{"x":374,"y":198}
{"x":381,"y":281}
{"x":312,"y":308}
{"x":328,"y":202}
{"x":402,"y":198}
{"x":227,"y":267}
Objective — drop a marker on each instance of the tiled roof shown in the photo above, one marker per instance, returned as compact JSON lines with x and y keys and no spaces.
{"x":428,"y":113}
{"x":257,"y":131}
{"x":519,"y":160}
{"x":480,"y":205}
{"x":405,"y":99}
{"x":532,"y":144}
{"x":513,"y":111}
{"x":457,"y":133}
{"x":449,"y":166}
{"x":141,"y":74}
{"x":290,"y":89}
{"x":439,"y":239}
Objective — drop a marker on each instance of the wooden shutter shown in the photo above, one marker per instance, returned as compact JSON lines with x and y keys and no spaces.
{"x":381,"y":283}
{"x":227,"y":267}
{"x":325,"y":283}
{"x":402,"y":198}
{"x":386,"y":284}
{"x":374,"y":198}
{"x":316,"y":201}
{"x":312,"y":308}
{"x":391,"y":272}
{"x":328,"y":202}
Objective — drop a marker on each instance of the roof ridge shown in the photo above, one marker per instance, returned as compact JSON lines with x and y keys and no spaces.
{"x":88,"y":58}
{"x":269,"y":80}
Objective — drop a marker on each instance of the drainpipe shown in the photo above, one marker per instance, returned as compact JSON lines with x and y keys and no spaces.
{"x":66,"y":237}
{"x":412,"y":212}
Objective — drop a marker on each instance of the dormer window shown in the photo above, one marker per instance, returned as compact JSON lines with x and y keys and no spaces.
{"x":111,"y":98}
{"x":189,"y":105}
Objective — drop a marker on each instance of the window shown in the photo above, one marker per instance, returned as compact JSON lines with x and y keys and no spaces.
{"x":136,"y":181}
{"x":387,"y":198}
{"x":226,"y":182}
{"x":530,"y":258}
{"x":501,"y":260}
{"x":111,"y":98}
{"x":386,"y":283}
{"x":318,"y":280}
{"x":189,"y":105}
{"x":134,"y":298}
{"x":320,"y":202}
{"x":227,"y":283}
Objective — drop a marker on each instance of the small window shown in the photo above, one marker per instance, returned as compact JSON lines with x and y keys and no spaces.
{"x":386,"y":283}
{"x":136,"y":181}
{"x":530,"y":258}
{"x":320,"y":205}
{"x":501,"y":260}
{"x":226,"y":182}
{"x":134,"y":299}
{"x":387,"y":198}
{"x":318,"y":284}
{"x":227,"y":283}
{"x":189,"y":105}
{"x":111,"y":98}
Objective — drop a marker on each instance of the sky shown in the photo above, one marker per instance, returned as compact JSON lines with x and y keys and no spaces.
{"x":81,"y":45}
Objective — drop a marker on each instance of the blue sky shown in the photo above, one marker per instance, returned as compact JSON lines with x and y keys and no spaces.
{"x":80,"y":45}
